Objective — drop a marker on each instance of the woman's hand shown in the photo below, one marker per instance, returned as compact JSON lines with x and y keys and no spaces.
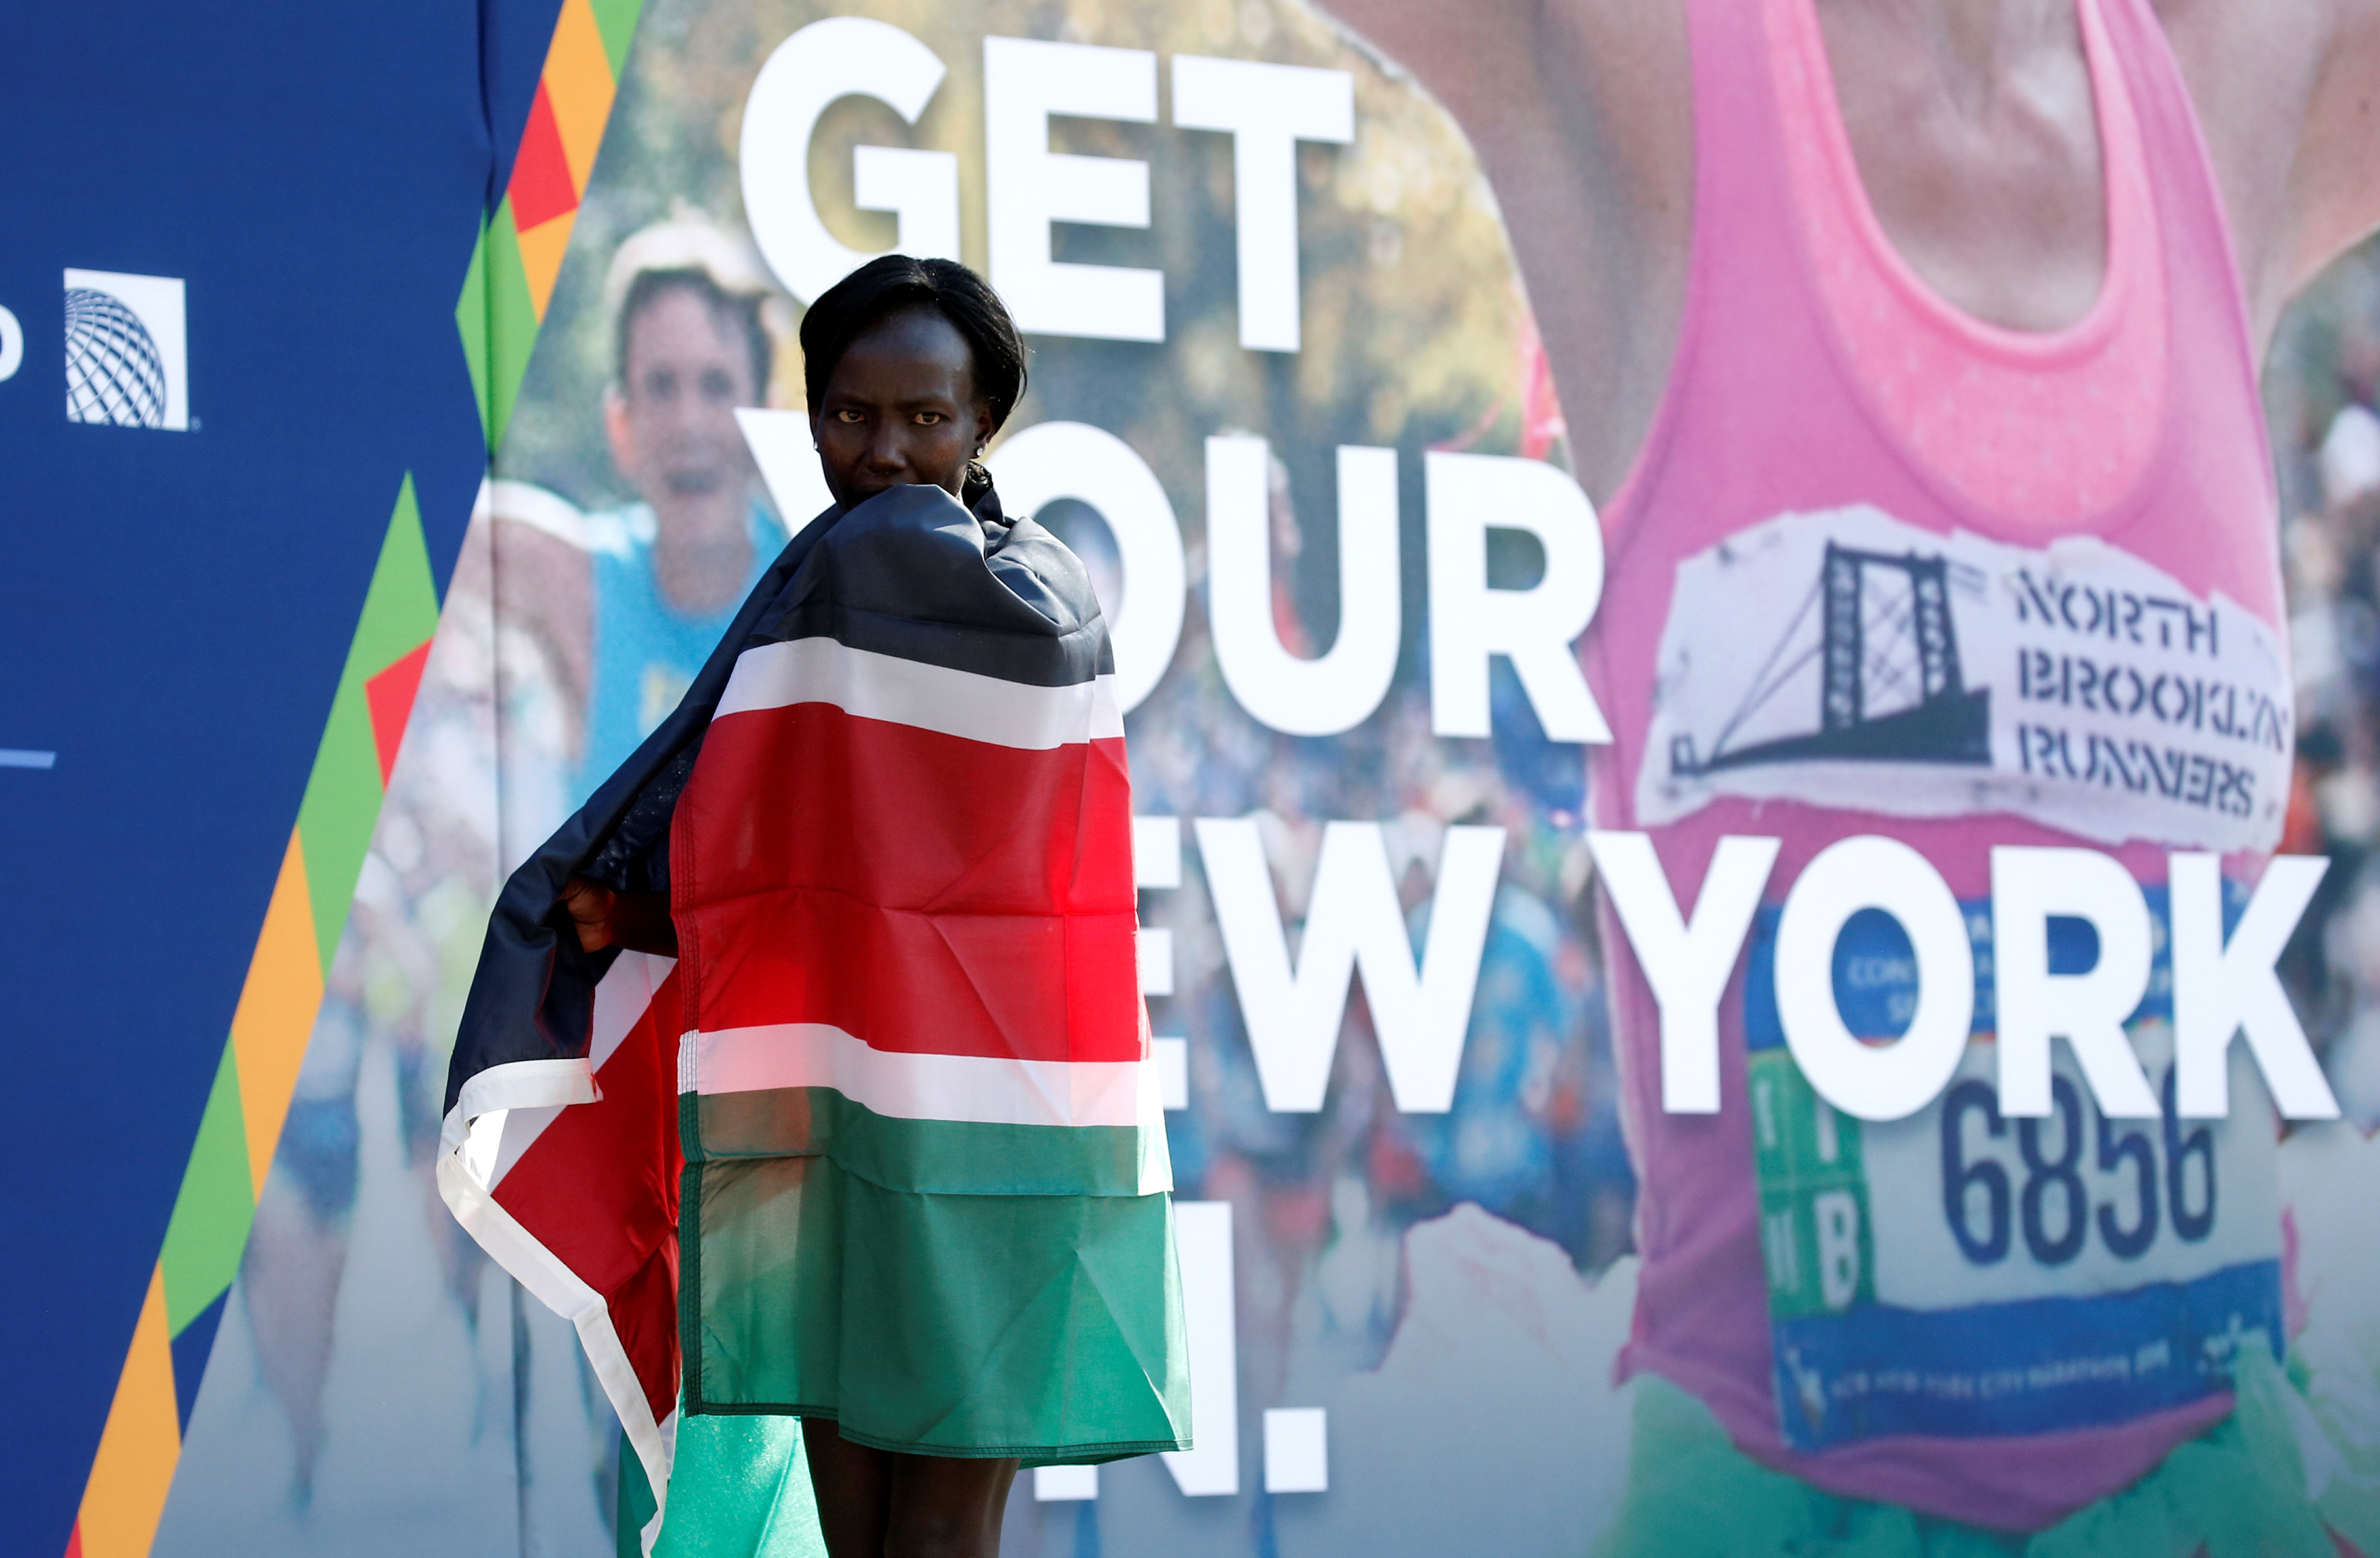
{"x":639,"y":922}
{"x":589,"y":907}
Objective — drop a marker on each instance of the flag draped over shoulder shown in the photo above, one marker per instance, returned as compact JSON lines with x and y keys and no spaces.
{"x":898,"y":1073}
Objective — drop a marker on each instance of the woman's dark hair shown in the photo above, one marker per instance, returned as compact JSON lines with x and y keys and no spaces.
{"x":891,"y":284}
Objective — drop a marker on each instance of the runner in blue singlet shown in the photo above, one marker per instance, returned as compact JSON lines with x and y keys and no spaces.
{"x":626,"y":602}
{"x":643,"y":647}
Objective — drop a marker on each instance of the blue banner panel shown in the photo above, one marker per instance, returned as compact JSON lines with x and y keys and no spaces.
{"x":284,"y":199}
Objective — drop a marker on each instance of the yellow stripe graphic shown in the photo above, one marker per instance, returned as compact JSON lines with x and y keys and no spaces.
{"x":129,"y":1477}
{"x":276,"y":1011}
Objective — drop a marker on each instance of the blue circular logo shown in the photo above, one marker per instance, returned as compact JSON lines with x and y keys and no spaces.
{"x":114,"y":374}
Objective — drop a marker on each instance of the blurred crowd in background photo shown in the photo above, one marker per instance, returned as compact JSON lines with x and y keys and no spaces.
{"x":2320,"y":390}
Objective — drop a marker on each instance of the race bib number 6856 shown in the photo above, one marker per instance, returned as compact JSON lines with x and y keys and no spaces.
{"x":1959,"y":1273}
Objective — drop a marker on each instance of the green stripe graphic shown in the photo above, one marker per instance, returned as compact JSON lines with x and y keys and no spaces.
{"x":211,"y":1213}
{"x":343,"y":793}
{"x":616,"y":21}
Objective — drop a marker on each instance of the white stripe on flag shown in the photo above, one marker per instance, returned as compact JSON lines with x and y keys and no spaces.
{"x":621,"y":998}
{"x":883,"y":687}
{"x":977,"y":1088}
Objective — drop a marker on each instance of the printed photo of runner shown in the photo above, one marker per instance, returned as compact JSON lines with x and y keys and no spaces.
{"x":1864,"y":571}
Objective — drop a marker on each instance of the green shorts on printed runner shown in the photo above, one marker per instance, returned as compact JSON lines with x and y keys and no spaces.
{"x":2237,"y":1491}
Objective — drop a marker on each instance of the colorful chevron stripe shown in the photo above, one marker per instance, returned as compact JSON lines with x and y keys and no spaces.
{"x":505,"y":295}
{"x":143,"y":1441}
{"x":520,"y":249}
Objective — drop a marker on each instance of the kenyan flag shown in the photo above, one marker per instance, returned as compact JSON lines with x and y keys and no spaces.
{"x":924,"y":1186}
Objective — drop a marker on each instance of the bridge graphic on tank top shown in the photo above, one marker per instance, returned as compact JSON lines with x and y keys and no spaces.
{"x":1880,"y":629}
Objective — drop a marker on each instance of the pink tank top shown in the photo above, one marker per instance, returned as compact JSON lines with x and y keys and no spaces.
{"x":1884,"y":568}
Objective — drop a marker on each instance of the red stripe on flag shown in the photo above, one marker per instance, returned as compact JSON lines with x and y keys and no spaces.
{"x":1045,"y":831}
{"x":1025,"y":987}
{"x":644,"y":1316}
{"x":598,"y":1185}
{"x":1000,"y":928}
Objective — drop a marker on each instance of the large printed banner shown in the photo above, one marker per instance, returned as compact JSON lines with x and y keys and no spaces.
{"x":1488,"y":1241}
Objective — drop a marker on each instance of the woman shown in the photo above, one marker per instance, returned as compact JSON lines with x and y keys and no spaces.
{"x":887,"y":839}
{"x":1865,"y":312}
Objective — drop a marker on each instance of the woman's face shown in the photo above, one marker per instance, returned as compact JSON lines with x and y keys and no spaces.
{"x":901,"y":409}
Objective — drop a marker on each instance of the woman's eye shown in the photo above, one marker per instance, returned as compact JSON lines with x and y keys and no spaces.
{"x":928,"y":419}
{"x":848,"y":418}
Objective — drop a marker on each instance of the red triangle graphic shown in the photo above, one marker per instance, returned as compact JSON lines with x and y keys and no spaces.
{"x":388,"y":696}
{"x":540,"y":189}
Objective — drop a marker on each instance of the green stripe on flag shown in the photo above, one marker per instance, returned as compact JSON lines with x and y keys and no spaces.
{"x":1044,"y":1327}
{"x":947,"y":1157}
{"x":211,"y":1214}
{"x":738,"y":1486}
